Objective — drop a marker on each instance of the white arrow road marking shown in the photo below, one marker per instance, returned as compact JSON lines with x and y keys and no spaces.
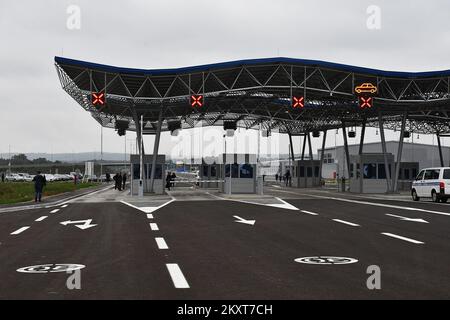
{"x":82,"y":224}
{"x":402,"y":238}
{"x":283,"y":205}
{"x":408,"y":219}
{"x":41,"y":218}
{"x":148,"y":209}
{"x":309,"y":212}
{"x":162,"y":245}
{"x":54,"y":211}
{"x":242,"y":220}
{"x":154,"y":227}
{"x":347,"y":223}
{"x":179,"y":281}
{"x":19,"y":231}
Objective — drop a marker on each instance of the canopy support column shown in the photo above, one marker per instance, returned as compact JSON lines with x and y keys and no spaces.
{"x":361,"y":163}
{"x":441,"y":157}
{"x":155,"y":150}
{"x":347,"y":154}
{"x":399,"y":154}
{"x":384,"y":149}
{"x":322,"y":155}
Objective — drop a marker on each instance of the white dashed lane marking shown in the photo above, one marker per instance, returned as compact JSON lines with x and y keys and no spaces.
{"x":309,"y":212}
{"x":41,"y":218}
{"x":402,"y":238}
{"x":154,"y":227}
{"x":149,"y":216}
{"x":162,"y":245}
{"x":179,"y":281}
{"x":18,"y":231}
{"x":54,"y":211}
{"x":346,"y":222}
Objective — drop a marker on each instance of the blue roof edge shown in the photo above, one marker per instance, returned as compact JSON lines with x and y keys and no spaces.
{"x":249,"y":62}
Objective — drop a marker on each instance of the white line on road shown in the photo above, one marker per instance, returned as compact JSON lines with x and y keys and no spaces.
{"x":346,"y":222}
{"x":309,"y":212}
{"x":149,"y":216}
{"x":41,"y":218}
{"x":154,"y":226}
{"x":64,"y":206}
{"x":402,"y":238}
{"x":19,"y":231}
{"x":54,"y":211}
{"x":376,"y":204}
{"x":179,"y":281}
{"x":161,"y":243}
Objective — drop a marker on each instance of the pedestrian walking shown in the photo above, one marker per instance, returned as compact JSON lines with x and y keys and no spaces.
{"x":3,"y":177}
{"x":124,"y":180}
{"x":115,"y":181}
{"x":119,"y":181}
{"x":288,"y":178}
{"x":172,"y":179}
{"x":168,"y":180}
{"x":39,"y":184}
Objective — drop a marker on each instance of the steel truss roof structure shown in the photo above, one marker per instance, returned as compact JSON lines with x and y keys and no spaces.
{"x":258,"y":93}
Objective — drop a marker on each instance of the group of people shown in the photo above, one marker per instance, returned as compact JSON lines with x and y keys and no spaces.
{"x":287,"y":178}
{"x":170,"y":178}
{"x":120,"y":181}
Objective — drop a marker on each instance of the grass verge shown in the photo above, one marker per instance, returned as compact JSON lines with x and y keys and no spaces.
{"x":15,"y":192}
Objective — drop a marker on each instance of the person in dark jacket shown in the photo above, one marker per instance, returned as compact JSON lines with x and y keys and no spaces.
{"x":172,"y":179}
{"x":115,"y":181}
{"x":124,"y":180}
{"x":39,"y":183}
{"x":168,"y":180}
{"x":119,"y":181}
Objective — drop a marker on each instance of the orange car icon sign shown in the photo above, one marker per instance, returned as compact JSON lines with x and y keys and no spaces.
{"x":366,"y":88}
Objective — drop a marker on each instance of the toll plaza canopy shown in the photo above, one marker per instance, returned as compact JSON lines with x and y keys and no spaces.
{"x":295,"y":96}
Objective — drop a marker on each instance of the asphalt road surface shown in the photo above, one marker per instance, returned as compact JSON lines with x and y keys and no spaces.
{"x":198,"y":250}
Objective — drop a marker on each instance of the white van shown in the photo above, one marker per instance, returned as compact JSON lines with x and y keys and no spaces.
{"x":432,"y":183}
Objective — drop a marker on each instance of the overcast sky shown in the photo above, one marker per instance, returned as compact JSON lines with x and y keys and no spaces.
{"x":38,"y":116}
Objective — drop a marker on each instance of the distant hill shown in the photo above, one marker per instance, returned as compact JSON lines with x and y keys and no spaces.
{"x":78,"y":157}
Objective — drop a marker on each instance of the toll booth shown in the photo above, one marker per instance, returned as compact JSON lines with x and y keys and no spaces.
{"x":209,"y":173}
{"x":367,"y":172}
{"x":306,"y":174}
{"x":239,"y":172}
{"x":407,"y":174}
{"x":159,"y":183}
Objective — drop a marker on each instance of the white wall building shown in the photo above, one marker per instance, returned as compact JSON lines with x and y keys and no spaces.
{"x":426,"y":155}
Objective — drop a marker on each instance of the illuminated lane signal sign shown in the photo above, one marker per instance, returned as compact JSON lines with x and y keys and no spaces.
{"x":98,"y":98}
{"x":366,"y":89}
{"x":196,"y":101}
{"x":365,"y":102}
{"x":298,"y":102}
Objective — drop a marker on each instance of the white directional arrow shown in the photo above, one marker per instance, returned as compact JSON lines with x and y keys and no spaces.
{"x":242,"y":220}
{"x":408,"y":219}
{"x":82,"y":224}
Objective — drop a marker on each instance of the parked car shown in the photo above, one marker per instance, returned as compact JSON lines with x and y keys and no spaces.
{"x":49,"y":177}
{"x":14,"y":177}
{"x":432,"y":183}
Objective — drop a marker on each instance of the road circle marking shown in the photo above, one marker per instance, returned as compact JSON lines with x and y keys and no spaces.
{"x":51,"y":268}
{"x":326,"y":260}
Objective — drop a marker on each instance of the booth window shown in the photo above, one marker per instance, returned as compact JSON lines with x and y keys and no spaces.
{"x":205,"y":170}
{"x":302,"y":172}
{"x":358,"y":175}
{"x":370,"y":171}
{"x":382,"y":171}
{"x":213,"y":171}
{"x":309,"y":172}
{"x":158,"y":171}
{"x":316,"y":172}
{"x":414,"y":173}
{"x":234,"y":170}
{"x":246,"y":171}
{"x":352,"y":169}
{"x":406,"y":175}
{"x":136,"y":171}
